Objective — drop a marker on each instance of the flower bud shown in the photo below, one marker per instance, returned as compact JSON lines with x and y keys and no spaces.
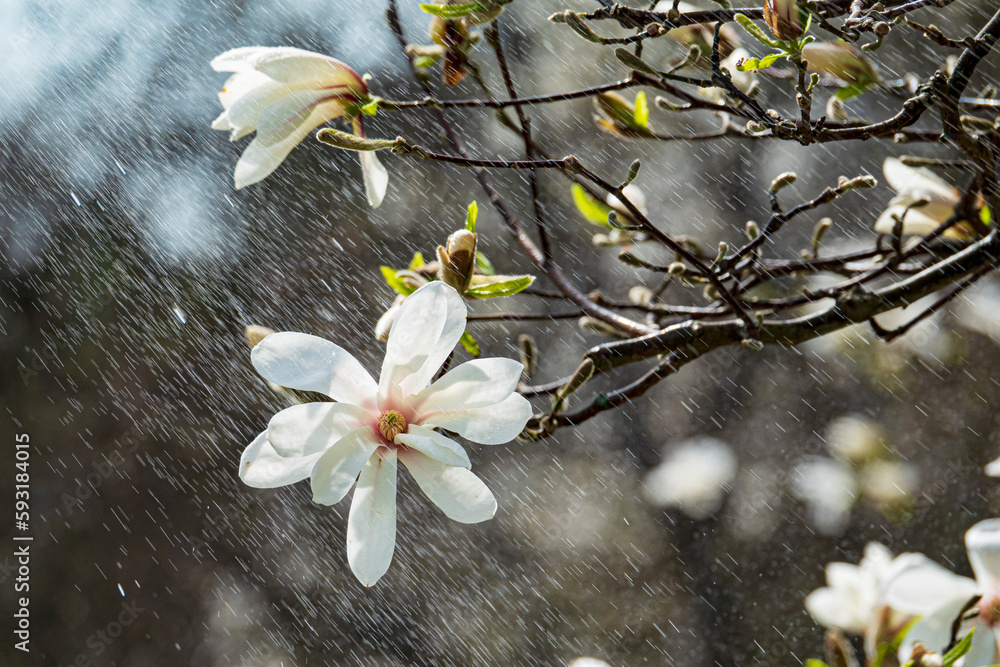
{"x":640,"y":295}
{"x":256,"y":333}
{"x":782,"y":181}
{"x":528,"y":349}
{"x":617,"y":115}
{"x":458,"y":259}
{"x":840,"y":60}
{"x":353,"y":142}
{"x":784,"y":18}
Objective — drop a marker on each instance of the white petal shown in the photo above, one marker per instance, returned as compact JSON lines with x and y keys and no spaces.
{"x":240,"y":85}
{"x":304,"y":430}
{"x":491,"y":425}
{"x":831,"y":609}
{"x":917,"y":585}
{"x":435,"y":445}
{"x":245,"y":111}
{"x":263,"y":468}
{"x":993,"y":468}
{"x":338,"y":467}
{"x":371,"y":523}
{"x":426,"y":329}
{"x":310,"y":363}
{"x":982,"y":541}
{"x":375,"y":176}
{"x":269,"y":149}
{"x":983,"y":652}
{"x":319,"y":71}
{"x":934,"y":630}
{"x":474,"y":384}
{"x":241,"y":59}
{"x":456,"y":491}
{"x":917,"y":221}
{"x":910,"y":179}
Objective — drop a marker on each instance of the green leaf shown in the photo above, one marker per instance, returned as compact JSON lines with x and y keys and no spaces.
{"x":484,"y":264}
{"x":641,"y":109}
{"x":754,"y":64}
{"x":500,"y":288}
{"x":424,"y":62}
{"x":471,"y":216}
{"x":470,"y":344}
{"x":370,"y":109}
{"x":960,"y":649}
{"x":395,"y":283}
{"x":454,"y":11}
{"x":813,"y":662}
{"x":417,"y":261}
{"x":984,"y":215}
{"x":593,"y":211}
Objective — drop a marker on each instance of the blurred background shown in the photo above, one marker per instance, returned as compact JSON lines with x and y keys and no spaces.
{"x":131,"y":266}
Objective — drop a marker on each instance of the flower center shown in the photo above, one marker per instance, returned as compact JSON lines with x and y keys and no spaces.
{"x":391,"y":423}
{"x":989,"y":609}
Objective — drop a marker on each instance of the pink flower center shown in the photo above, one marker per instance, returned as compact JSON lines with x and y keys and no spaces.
{"x":390,"y":424}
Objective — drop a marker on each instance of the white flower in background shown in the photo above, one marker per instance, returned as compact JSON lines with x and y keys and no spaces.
{"x":855,"y":439}
{"x":700,"y":35}
{"x":829,"y":489}
{"x":917,"y":585}
{"x":850,"y":601}
{"x":283,"y":94}
{"x":915,"y":184}
{"x":693,"y":477}
{"x":373,"y":425}
{"x":588,"y":662}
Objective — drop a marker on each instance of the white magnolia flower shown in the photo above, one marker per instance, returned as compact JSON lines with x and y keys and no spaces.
{"x":914,"y":184}
{"x":283,"y":94}
{"x":373,"y":425}
{"x":850,"y":601}
{"x":917,"y":585}
{"x":693,"y":477}
{"x":856,"y":439}
{"x":744,"y":81}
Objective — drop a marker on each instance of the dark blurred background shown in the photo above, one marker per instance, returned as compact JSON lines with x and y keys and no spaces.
{"x":130,"y":267}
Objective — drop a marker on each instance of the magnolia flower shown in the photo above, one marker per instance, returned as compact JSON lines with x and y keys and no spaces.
{"x":283,"y":94}
{"x":372,"y":426}
{"x":693,"y":477}
{"x":915,"y":185}
{"x":700,"y":35}
{"x":850,"y":601}
{"x":856,"y":439}
{"x":744,"y":81}
{"x":917,"y":585}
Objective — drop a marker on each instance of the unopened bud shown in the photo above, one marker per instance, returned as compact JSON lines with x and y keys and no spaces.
{"x":858,"y":183}
{"x":458,"y":259}
{"x":782,"y":181}
{"x":528,"y":352}
{"x":640,"y":295}
{"x":353,"y":142}
{"x":580,"y":377}
{"x":677,"y":269}
{"x":753,"y":231}
{"x":256,"y":333}
{"x":593,"y":325}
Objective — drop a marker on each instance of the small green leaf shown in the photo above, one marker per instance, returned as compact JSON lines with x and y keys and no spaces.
{"x":471,"y":216}
{"x":454,"y":11}
{"x":370,"y":109}
{"x":484,"y":264}
{"x":500,"y":288}
{"x":417,"y":261}
{"x":594,"y":211}
{"x":984,"y":215}
{"x":470,"y":344}
{"x":424,"y":62}
{"x":641,"y":109}
{"x":395,"y":283}
{"x":755,"y":64}
{"x":813,"y":662}
{"x":960,"y":649}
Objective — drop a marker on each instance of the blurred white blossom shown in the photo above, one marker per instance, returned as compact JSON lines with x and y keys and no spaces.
{"x":373,"y":425}
{"x":915,"y":185}
{"x":693,"y":477}
{"x":855,"y":439}
{"x":850,"y":601}
{"x":829,"y":489}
